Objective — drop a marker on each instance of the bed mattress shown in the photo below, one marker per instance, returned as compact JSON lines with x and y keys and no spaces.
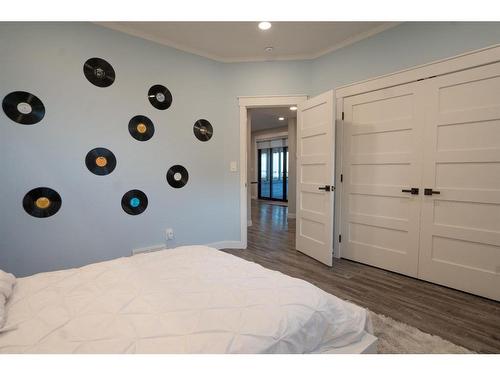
{"x":191,"y":299}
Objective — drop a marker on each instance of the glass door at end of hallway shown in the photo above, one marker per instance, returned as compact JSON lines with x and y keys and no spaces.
{"x":273,"y":173}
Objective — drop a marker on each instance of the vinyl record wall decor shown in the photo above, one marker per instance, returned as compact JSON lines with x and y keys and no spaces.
{"x":177,"y":176}
{"x":100,"y":161}
{"x":27,"y":109}
{"x":134,"y":202}
{"x":141,"y":128}
{"x":203,"y":130}
{"x":160,"y":97}
{"x":23,"y":108}
{"x":42,"y":202}
{"x":99,"y":72}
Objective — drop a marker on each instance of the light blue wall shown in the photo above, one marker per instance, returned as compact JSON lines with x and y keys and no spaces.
{"x":46,"y":59}
{"x":404,"y":46}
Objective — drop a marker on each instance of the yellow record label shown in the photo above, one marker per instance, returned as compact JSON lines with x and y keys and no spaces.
{"x":141,"y":128}
{"x":101,"y":161}
{"x":42,"y":202}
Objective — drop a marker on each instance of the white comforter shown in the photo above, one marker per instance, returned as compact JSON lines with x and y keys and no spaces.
{"x":186,"y":300}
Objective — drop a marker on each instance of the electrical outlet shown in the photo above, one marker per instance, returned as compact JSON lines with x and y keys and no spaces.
{"x":169,"y":234}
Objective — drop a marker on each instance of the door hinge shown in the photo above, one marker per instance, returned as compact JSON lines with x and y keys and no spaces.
{"x":342,"y":115}
{"x":340,"y":238}
{"x":341,"y":177}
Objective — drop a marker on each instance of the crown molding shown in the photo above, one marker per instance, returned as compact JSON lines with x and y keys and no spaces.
{"x":128,"y":29}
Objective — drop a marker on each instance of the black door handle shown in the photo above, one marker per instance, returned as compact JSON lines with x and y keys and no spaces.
{"x":325,"y":188}
{"x":254,"y":182}
{"x":413,"y":191}
{"x":430,"y":192}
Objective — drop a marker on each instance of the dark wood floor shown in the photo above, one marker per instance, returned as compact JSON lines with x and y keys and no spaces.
{"x":464,"y":319}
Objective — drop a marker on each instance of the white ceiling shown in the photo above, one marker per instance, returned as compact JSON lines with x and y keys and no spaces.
{"x":267,"y":118}
{"x":243,"y":41}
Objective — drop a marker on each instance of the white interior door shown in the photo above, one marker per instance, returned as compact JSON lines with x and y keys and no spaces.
{"x":381,"y":163}
{"x":460,"y":235}
{"x":315,"y":175}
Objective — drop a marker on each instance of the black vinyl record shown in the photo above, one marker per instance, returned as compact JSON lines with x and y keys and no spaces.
{"x":160,"y":97}
{"x":134,"y":202}
{"x":141,"y":128}
{"x":99,"y":72}
{"x":23,"y":107}
{"x":42,"y":202}
{"x":100,"y":161}
{"x":177,"y":176}
{"x":203,"y":130}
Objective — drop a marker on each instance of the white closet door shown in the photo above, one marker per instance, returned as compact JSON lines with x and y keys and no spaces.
{"x":460,"y":235}
{"x":315,"y":167}
{"x":382,"y":156}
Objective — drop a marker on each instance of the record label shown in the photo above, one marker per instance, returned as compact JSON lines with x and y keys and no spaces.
{"x":42,"y":202}
{"x":177,"y":176}
{"x":160,"y":97}
{"x":100,"y":161}
{"x":141,"y":128}
{"x":203,"y":130}
{"x":134,"y":202}
{"x":99,"y":72}
{"x":23,"y":107}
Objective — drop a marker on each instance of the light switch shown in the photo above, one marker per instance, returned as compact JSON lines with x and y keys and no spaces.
{"x":233,"y":166}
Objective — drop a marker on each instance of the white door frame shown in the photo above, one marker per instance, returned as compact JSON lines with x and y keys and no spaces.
{"x":483,"y":56}
{"x":245,"y":103}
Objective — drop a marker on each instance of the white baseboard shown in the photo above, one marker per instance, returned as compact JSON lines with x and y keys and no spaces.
{"x":249,"y":223}
{"x":227,"y":245}
{"x":148,"y":249}
{"x":291,"y":216}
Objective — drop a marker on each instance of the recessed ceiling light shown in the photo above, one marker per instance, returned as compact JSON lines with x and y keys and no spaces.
{"x":265,"y":25}
{"x":293,"y":108}
{"x":269,"y":49}
{"x":281,"y":118}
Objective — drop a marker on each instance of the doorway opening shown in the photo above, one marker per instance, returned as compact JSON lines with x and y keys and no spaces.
{"x":268,"y":143}
{"x":271,"y":172}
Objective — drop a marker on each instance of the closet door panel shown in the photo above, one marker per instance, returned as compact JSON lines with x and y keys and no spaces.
{"x":460,"y":235}
{"x":382,"y":155}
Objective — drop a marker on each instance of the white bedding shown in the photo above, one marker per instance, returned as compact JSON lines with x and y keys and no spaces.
{"x":7,"y":281}
{"x":192,"y":299}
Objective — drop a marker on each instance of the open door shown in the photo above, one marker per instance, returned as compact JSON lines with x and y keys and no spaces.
{"x":315,"y":175}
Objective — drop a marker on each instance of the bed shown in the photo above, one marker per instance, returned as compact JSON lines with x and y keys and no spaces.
{"x":192,"y":299}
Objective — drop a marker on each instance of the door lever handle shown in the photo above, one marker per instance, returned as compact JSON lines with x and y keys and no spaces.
{"x":430,"y":192}
{"x":413,"y":191}
{"x":325,"y":188}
